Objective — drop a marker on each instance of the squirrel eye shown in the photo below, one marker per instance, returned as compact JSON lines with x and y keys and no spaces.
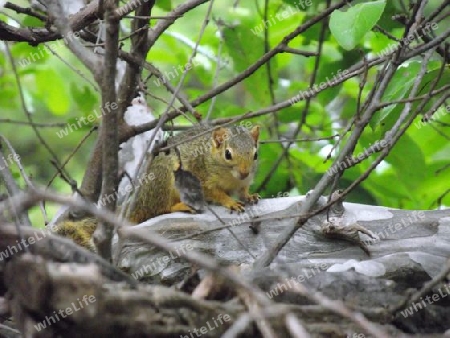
{"x":255,"y":157}
{"x":227,"y":154}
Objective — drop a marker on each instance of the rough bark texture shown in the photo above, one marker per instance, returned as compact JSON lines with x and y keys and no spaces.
{"x":324,"y":255}
{"x":419,"y":238}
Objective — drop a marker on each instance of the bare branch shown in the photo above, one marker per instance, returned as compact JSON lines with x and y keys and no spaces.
{"x":139,"y":50}
{"x":109,"y":128}
{"x":89,"y":59}
{"x":37,"y":35}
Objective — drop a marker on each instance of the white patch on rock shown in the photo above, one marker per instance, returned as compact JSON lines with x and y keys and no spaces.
{"x":369,"y":212}
{"x":432,"y":264}
{"x":276,"y":204}
{"x":368,"y":268}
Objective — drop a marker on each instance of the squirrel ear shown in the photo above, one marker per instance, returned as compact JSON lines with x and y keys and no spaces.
{"x":218,"y":136}
{"x":255,"y":133}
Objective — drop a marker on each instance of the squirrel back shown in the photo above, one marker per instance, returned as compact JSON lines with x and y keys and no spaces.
{"x":80,"y":232}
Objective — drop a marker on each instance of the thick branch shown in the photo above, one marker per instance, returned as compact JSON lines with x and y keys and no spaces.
{"x":139,"y":49}
{"x":89,"y":59}
{"x":34,"y":36}
{"x":109,"y":129}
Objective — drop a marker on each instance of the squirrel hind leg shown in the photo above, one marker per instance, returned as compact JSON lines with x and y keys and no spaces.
{"x":180,"y":206}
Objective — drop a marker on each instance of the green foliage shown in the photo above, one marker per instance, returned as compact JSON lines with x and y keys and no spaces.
{"x":244,"y":49}
{"x":350,"y":27}
{"x":410,"y":177}
{"x":54,"y":96}
{"x":397,"y":89}
{"x":164,"y":4}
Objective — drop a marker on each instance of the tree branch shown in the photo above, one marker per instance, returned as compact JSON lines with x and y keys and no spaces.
{"x":89,"y":59}
{"x":109,"y":128}
{"x":35,"y":36}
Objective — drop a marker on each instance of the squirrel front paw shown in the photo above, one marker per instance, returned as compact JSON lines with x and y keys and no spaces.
{"x":250,"y":198}
{"x":234,"y":206}
{"x":222,"y":198}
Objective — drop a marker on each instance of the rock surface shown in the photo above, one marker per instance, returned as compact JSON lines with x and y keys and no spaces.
{"x":404,"y":240}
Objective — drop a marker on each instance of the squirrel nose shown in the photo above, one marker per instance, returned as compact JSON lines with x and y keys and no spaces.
{"x":244,"y":175}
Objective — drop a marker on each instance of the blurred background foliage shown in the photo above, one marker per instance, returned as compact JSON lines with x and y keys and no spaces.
{"x":413,"y":176}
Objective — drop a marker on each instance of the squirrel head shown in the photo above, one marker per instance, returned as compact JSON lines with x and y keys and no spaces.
{"x":236,"y":148}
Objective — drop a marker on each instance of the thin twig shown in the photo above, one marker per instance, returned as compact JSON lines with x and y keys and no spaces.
{"x":76,"y":71}
{"x":305,"y":111}
{"x":286,"y":49}
{"x":27,"y":11}
{"x":216,"y":72}
{"x":299,"y":139}
{"x":23,"y":174}
{"x":427,"y":287}
{"x":23,"y":201}
{"x":74,"y":151}
{"x":25,"y":108}
{"x":339,"y":307}
{"x":152,"y":17}
{"x":126,"y":211}
{"x":36,"y":124}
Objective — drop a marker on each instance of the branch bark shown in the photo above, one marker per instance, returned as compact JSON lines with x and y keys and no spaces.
{"x":109,"y":129}
{"x":89,"y":59}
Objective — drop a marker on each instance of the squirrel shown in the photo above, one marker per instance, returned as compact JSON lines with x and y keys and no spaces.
{"x":224,"y":160}
{"x":80,"y":232}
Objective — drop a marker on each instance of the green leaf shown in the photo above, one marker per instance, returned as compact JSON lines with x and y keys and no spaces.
{"x":27,"y":57}
{"x":84,"y":97}
{"x":382,"y":186}
{"x":350,"y":27}
{"x":299,"y":5}
{"x":434,"y":185}
{"x":164,"y":5}
{"x":311,"y":160}
{"x":431,"y":142}
{"x":267,"y":154}
{"x":401,"y":85}
{"x":398,"y":87}
{"x":442,"y":155}
{"x":281,"y":21}
{"x":52,"y":91}
{"x":244,"y":49}
{"x":290,"y":114}
{"x":32,"y":22}
{"x":80,"y":126}
{"x":408,"y":162}
{"x":329,"y":72}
